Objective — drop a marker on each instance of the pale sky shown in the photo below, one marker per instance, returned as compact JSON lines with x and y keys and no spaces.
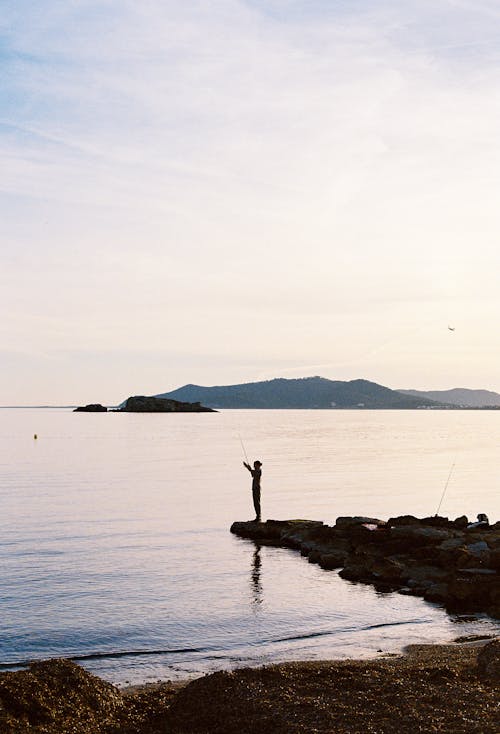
{"x":227,"y":191}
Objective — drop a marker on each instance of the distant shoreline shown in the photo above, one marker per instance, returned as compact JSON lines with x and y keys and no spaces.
{"x":38,"y":407}
{"x":113,"y":408}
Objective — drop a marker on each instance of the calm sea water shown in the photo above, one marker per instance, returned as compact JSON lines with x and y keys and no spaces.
{"x":115,"y":546}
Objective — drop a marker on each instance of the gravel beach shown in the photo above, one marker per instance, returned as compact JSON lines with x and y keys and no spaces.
{"x":432,"y":688}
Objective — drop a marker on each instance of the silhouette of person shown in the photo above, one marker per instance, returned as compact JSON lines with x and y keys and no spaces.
{"x":256,"y":473}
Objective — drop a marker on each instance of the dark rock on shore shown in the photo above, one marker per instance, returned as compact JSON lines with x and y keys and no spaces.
{"x":143,"y":404}
{"x":92,"y":408}
{"x":443,"y":561}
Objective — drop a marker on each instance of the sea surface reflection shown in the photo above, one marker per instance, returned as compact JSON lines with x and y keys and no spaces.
{"x":115,"y":546}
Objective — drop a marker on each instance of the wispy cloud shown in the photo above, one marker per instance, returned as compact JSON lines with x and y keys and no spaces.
{"x":213,"y":171}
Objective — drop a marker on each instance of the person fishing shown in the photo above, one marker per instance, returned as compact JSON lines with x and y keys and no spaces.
{"x":256,"y":473}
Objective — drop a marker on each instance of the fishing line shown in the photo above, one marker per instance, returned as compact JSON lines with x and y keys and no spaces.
{"x":234,"y":430}
{"x":445,"y":488}
{"x":243,"y":447}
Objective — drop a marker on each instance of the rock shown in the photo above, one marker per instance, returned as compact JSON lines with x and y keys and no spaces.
{"x":419,"y":535}
{"x":472,"y":555}
{"x":488,"y":660}
{"x":429,"y":574}
{"x":403,"y":520}
{"x":332,"y":560}
{"x":449,"y":552}
{"x":355,"y":571}
{"x":92,"y":408}
{"x":495,"y":559}
{"x":436,"y":521}
{"x":361,"y":529}
{"x":349,"y":522}
{"x":436,"y":593}
{"x":273,"y":530}
{"x":142,"y":404}
{"x":451,"y":544}
{"x":311,"y":548}
{"x":480,"y":551}
{"x":465,"y":559}
{"x":388,"y":569}
{"x":472,"y":590}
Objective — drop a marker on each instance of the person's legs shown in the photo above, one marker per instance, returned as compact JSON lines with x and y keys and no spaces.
{"x":256,"y":502}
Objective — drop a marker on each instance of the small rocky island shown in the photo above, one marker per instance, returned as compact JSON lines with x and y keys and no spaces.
{"x":143,"y":404}
{"x":92,"y":408}
{"x":451,"y":562}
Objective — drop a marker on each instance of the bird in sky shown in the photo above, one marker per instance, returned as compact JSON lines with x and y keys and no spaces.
{"x":451,"y":328}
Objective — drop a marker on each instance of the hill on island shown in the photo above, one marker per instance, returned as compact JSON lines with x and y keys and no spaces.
{"x":459,"y":396}
{"x":306,"y":392}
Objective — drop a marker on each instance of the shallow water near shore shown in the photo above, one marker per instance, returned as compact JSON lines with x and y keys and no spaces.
{"x":115,"y":546}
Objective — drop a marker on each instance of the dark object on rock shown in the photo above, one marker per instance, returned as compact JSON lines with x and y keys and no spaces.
{"x":488,"y":661}
{"x":431,"y":557}
{"x":92,"y":408}
{"x":142,"y":404}
{"x":482,"y":521}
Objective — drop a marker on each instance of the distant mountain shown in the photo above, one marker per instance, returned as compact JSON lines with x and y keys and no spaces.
{"x":306,"y":392}
{"x":460,"y":396}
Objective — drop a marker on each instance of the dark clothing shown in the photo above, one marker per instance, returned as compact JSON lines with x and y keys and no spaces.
{"x":256,"y":501}
{"x":256,"y":475}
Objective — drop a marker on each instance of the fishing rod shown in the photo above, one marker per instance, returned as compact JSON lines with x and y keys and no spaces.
{"x":243,"y":447}
{"x":445,"y":488}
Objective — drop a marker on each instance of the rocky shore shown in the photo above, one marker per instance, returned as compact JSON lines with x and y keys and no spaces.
{"x":452,"y":689}
{"x":450,"y":562}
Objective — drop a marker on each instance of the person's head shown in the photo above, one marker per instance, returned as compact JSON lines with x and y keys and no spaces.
{"x":257,"y":464}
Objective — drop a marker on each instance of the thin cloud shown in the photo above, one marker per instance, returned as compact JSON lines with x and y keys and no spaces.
{"x":189,"y":171}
